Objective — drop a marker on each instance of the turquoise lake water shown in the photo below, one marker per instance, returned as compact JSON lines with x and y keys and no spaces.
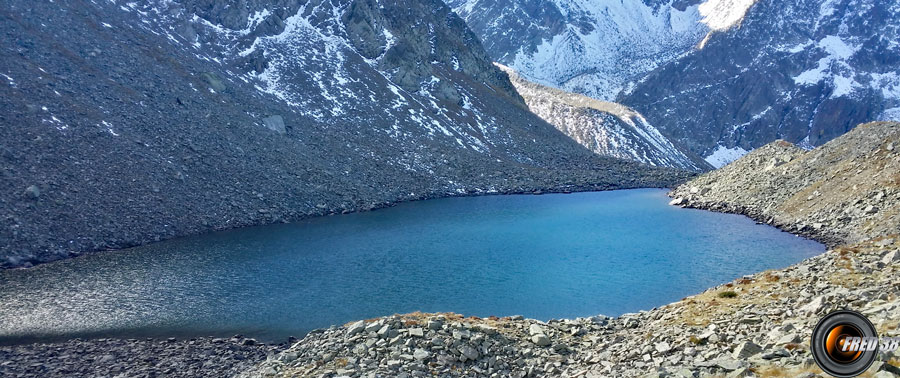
{"x":549,"y":256}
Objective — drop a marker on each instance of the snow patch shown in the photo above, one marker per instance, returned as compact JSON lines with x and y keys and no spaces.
{"x":892,"y":114}
{"x":627,"y":40}
{"x":12,"y":83}
{"x":721,"y":15}
{"x":833,"y":66}
{"x":722,"y":156}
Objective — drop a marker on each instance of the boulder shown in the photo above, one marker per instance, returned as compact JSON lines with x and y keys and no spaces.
{"x":468,"y":352}
{"x":356,"y":328}
{"x":540,"y":339}
{"x":421,"y":354}
{"x":275,"y":123}
{"x":33,"y":192}
{"x":746,"y":350}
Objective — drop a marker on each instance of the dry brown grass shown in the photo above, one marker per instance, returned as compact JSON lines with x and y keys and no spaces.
{"x":780,"y":371}
{"x":698,"y":310}
{"x":851,"y":280}
{"x":774,"y":371}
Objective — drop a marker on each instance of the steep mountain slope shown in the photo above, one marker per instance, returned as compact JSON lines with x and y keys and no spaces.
{"x":129,"y":122}
{"x":799,"y":70}
{"x":606,"y":128}
{"x":592,"y":47}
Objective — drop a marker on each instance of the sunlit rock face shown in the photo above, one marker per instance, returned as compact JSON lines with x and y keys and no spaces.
{"x":606,"y":128}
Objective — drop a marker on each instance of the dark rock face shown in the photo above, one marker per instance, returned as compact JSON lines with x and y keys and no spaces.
{"x":802,"y":71}
{"x":125,"y":123}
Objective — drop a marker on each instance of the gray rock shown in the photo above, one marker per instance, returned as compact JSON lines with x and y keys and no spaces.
{"x":779,"y":353}
{"x":383,"y":331}
{"x":789,"y":339}
{"x":373,"y":327}
{"x":540,"y":339}
{"x":729,"y":364}
{"x":275,"y":123}
{"x":891,"y":257}
{"x":662,"y":347}
{"x":356,"y":328}
{"x":33,"y":192}
{"x":421,"y":354}
{"x":746,"y":350}
{"x":469,"y":352}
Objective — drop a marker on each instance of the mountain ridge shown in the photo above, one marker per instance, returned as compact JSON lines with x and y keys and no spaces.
{"x":719,"y":77}
{"x":594,"y":47}
{"x":821,"y":74}
{"x":607,"y":128}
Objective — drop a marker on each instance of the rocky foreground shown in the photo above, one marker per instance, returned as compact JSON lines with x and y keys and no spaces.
{"x":844,"y":193}
{"x":202,"y":357}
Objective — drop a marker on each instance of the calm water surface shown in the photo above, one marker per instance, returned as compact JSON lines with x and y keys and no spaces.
{"x":544,"y":257}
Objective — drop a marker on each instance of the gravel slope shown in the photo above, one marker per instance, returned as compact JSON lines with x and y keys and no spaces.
{"x":205,"y":357}
{"x":843,"y":192}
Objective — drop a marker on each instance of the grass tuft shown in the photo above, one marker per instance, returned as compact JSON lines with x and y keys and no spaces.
{"x":727,"y":294}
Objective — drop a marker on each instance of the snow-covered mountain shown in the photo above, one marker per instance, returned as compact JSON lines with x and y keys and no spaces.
{"x":593,"y":47}
{"x":800,"y":70}
{"x":126,"y":122}
{"x":606,"y":128}
{"x":720,"y":77}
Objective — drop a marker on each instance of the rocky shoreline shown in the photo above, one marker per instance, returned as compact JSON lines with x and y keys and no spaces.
{"x":843,"y":192}
{"x":261,"y":217}
{"x":756,"y":325}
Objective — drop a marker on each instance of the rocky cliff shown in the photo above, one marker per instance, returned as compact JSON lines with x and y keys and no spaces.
{"x":802,"y":71}
{"x":127,"y":122}
{"x":606,"y":128}
{"x":720,"y":77}
{"x":756,"y":325}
